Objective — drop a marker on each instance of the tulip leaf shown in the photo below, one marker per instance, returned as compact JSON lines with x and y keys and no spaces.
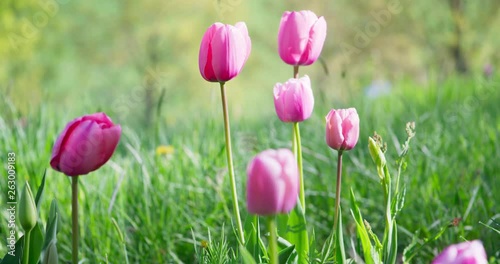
{"x":285,"y":254}
{"x":246,"y":256}
{"x":14,"y":256}
{"x":252,"y":232}
{"x":296,"y":233}
{"x":339,"y":241}
{"x":52,"y":225}
{"x":362,"y":232}
{"x":39,"y":193}
{"x":36,"y":243}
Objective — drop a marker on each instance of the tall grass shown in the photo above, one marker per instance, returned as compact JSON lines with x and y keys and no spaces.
{"x":167,"y":204}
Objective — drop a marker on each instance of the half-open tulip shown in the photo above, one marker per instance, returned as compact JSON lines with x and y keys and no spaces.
{"x":294,"y":100}
{"x":273,"y":182}
{"x":470,"y":252}
{"x":85,"y":144}
{"x":224,"y":50}
{"x":301,"y":37}
{"x":342,"y":128}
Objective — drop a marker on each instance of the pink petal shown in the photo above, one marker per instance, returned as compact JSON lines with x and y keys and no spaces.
{"x":334,"y":136}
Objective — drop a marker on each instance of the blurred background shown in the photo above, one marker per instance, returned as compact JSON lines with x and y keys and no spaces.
{"x":123,"y":57}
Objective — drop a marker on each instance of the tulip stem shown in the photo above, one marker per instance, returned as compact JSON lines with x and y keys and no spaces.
{"x":74,"y":215}
{"x":337,"y":192}
{"x":26,"y":253}
{"x":229,"y":156}
{"x":298,"y":155}
{"x":273,"y":241}
{"x":296,"y":72}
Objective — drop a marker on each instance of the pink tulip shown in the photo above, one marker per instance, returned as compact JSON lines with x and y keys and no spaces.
{"x":85,"y":144}
{"x":224,"y":50}
{"x":294,"y":100}
{"x":342,"y":128}
{"x":273,"y":182}
{"x":301,"y":37}
{"x":470,"y":252}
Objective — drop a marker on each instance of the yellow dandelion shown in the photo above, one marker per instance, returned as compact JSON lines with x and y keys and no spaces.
{"x":165,"y":150}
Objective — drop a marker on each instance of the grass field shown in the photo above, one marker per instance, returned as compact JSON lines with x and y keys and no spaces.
{"x":167,"y":204}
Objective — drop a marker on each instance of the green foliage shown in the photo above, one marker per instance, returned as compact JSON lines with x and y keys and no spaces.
{"x":449,"y":173}
{"x":39,"y":242}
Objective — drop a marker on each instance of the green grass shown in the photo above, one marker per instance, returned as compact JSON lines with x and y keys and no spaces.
{"x":167,"y":205}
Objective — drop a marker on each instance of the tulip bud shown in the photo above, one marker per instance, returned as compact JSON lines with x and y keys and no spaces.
{"x":50,"y":255}
{"x":224,"y":50}
{"x":376,"y":152}
{"x":85,"y":144}
{"x":342,"y":129}
{"x":294,"y":100}
{"x":273,"y":182}
{"x":470,"y":252}
{"x":28,"y":214}
{"x":301,"y":37}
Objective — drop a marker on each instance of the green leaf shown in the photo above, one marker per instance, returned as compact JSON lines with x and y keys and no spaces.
{"x":253,"y":240}
{"x":339,"y":241}
{"x":285,"y":254}
{"x":36,"y":243}
{"x":296,"y":233}
{"x":39,"y":193}
{"x":362,"y":231}
{"x":17,"y":256}
{"x":52,"y":225}
{"x":394,"y":244}
{"x":246,"y":256}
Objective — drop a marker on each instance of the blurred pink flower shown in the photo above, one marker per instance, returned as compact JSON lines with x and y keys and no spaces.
{"x":342,"y":128}
{"x":224,"y":50}
{"x":273,"y":182}
{"x":85,"y":144}
{"x":294,"y":100}
{"x":470,"y":252}
{"x":301,"y":37}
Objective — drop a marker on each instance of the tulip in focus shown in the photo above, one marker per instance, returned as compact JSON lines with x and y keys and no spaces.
{"x":85,"y":144}
{"x":294,"y":100}
{"x":301,"y":37}
{"x":470,"y":252}
{"x":223,"y":52}
{"x":273,"y":182}
{"x":342,"y":129}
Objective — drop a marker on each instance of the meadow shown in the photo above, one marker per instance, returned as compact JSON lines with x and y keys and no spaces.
{"x":167,"y":204}
{"x":165,"y":189}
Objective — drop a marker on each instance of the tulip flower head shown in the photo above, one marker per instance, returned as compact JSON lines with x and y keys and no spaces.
{"x":470,"y":252}
{"x":273,"y":182}
{"x":342,"y":129}
{"x":301,"y":37}
{"x":85,"y":144}
{"x":224,"y":50}
{"x":294,"y":100}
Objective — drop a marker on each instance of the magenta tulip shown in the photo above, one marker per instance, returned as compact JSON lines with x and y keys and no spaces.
{"x":301,"y":37}
{"x":294,"y":100}
{"x":342,"y":128}
{"x":224,"y":50}
{"x":273,"y":182}
{"x":470,"y":252}
{"x":85,"y":144}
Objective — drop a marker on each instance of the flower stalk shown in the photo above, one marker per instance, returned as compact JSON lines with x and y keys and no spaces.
{"x":229,"y":156}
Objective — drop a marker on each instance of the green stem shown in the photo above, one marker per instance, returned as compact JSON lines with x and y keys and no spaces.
{"x":296,"y":132}
{"x":337,"y":192}
{"x":273,"y":241}
{"x":230,"y":166}
{"x":387,"y":244}
{"x":296,"y":72}
{"x":26,"y":253}
{"x":74,"y":215}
